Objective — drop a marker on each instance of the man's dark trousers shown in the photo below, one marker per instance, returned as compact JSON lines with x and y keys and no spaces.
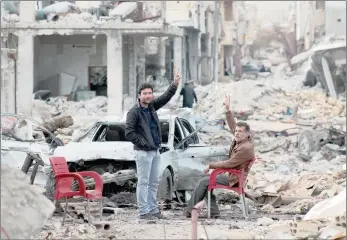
{"x":200,"y":193}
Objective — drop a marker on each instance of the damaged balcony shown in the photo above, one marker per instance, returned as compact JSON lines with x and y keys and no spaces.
{"x":67,"y":18}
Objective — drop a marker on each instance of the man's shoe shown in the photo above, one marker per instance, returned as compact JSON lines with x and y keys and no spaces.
{"x":159,"y":215}
{"x":213,"y":216}
{"x":187,"y":214}
{"x":147,"y":216}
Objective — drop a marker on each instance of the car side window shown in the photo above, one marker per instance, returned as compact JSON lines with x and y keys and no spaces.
{"x":188,"y":129}
{"x":178,"y":136}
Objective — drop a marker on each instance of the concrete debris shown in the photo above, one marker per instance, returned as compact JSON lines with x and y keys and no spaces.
{"x":74,"y":117}
{"x":24,"y":210}
{"x":264,"y":221}
{"x":123,"y":9}
{"x":331,"y":207}
{"x":85,"y":12}
{"x":61,"y":8}
{"x":58,"y":122}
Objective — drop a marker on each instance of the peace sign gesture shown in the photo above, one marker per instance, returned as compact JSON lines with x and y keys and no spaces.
{"x":227,"y":102}
{"x":177,"y":78}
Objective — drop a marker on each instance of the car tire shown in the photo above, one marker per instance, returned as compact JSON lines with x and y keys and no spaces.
{"x":308,"y":143}
{"x":165,"y":186}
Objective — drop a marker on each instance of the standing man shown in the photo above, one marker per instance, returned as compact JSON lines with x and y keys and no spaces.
{"x":143,"y":130}
{"x":240,"y":154}
{"x":189,"y":95}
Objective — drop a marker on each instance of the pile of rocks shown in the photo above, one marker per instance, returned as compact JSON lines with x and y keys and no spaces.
{"x":82,"y":115}
{"x":261,"y":102}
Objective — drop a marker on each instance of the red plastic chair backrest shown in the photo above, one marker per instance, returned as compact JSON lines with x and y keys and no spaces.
{"x":59,"y":166}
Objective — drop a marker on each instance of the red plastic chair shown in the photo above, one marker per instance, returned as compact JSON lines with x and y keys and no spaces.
{"x":64,"y":180}
{"x":239,"y":188}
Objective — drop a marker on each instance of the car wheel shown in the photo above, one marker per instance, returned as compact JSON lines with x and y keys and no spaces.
{"x":165,"y":186}
{"x":308,"y":143}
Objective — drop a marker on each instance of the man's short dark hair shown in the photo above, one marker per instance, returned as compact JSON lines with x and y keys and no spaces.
{"x":145,"y":86}
{"x":243,"y":124}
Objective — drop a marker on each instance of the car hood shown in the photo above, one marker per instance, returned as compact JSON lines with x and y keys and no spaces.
{"x":89,"y":151}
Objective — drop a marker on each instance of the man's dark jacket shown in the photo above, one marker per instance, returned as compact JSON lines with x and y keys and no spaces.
{"x":137,"y":130}
{"x":189,"y":95}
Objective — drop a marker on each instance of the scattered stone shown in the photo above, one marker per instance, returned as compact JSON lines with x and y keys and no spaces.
{"x":264,"y":221}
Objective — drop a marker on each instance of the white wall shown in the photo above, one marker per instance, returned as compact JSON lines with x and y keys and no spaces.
{"x":334,"y":11}
{"x":178,"y":10}
{"x":55,"y":54}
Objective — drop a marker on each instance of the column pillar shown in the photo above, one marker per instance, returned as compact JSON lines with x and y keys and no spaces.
{"x":114,"y":73}
{"x":27,"y":11}
{"x":162,"y":55}
{"x":140,"y":57}
{"x":132,"y":68}
{"x":25,"y":73}
{"x":8,"y":89}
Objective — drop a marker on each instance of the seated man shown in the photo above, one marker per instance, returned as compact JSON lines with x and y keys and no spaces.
{"x":240,"y":154}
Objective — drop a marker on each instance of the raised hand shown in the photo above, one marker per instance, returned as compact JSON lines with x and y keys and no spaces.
{"x":227,"y":102}
{"x":177,"y":78}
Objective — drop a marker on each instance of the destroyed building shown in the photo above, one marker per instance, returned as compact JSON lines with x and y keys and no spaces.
{"x":315,"y":19}
{"x":107,"y":50}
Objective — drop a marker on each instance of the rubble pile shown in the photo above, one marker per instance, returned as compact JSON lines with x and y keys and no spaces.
{"x":78,"y":116}
{"x":256,"y":100}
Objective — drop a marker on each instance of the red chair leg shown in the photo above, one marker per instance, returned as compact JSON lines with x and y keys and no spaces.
{"x":208,"y":204}
{"x":101,"y":209}
{"x":244,"y":206}
{"x":65,"y":210}
{"x":88,"y":209}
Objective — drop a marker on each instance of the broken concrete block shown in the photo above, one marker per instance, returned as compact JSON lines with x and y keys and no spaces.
{"x":264,"y":221}
{"x":330,"y":231}
{"x":329,"y":207}
{"x":102,"y":225}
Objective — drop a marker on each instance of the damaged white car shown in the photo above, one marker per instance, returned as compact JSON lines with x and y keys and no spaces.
{"x":105,"y":149}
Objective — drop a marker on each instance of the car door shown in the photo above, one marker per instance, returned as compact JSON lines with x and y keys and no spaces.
{"x":190,"y":157}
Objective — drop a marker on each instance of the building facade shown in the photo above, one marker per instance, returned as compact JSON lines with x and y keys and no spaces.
{"x":81,"y":54}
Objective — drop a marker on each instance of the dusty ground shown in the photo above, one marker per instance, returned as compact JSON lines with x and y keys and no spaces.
{"x":125,"y":225}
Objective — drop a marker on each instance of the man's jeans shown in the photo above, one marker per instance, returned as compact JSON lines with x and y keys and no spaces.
{"x":147,"y":164}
